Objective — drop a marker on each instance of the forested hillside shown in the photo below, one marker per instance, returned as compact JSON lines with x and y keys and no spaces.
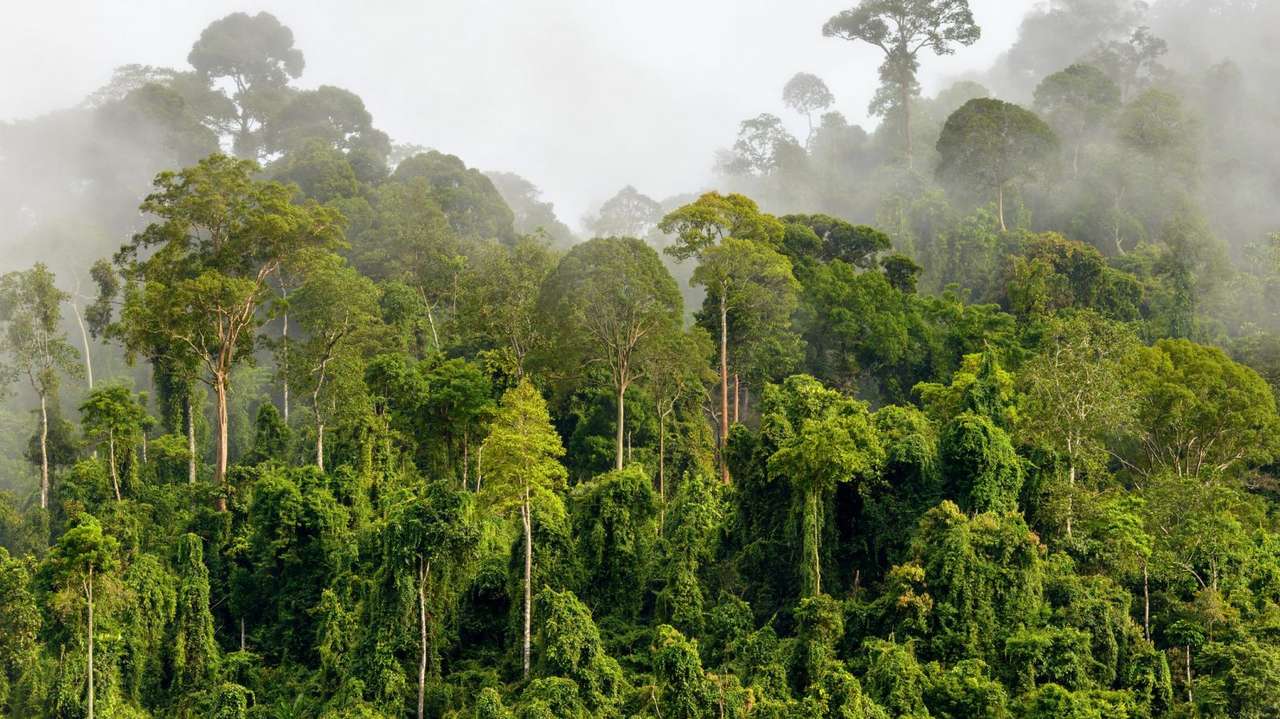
{"x":972,"y":414}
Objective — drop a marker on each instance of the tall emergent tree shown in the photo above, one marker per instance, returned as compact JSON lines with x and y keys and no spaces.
{"x":993,"y":144}
{"x":901,"y":29}
{"x":806,"y":93}
{"x":199,"y":274}
{"x":256,"y":53}
{"x":522,"y":470}
{"x":30,"y":310}
{"x":744,"y":273}
{"x":612,"y":299}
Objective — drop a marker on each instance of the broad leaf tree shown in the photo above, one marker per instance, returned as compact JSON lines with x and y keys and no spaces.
{"x":31,"y":313}
{"x":993,"y":144}
{"x":522,"y":472}
{"x":901,"y":29}
{"x":200,"y":273}
{"x":612,"y":299}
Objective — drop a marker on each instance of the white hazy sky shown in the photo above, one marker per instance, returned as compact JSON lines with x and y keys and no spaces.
{"x":579,"y":96}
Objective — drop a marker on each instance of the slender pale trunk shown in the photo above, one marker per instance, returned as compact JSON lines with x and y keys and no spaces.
{"x":44,"y":451}
{"x":1071,"y":490}
{"x":423,"y":571}
{"x":724,"y":387}
{"x":466,"y":456}
{"x":622,"y":414}
{"x":88,"y":587}
{"x":220,"y":465}
{"x":84,"y":340}
{"x":284,"y":374}
{"x":320,"y":446}
{"x":242,"y":634}
{"x":191,"y":442}
{"x":111,"y":457}
{"x":528,"y":578}
{"x":479,"y":464}
{"x":1190,"y":695}
{"x":144,"y":446}
{"x":737,"y":397}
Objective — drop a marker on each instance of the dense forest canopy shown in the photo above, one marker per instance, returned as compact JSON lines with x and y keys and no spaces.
{"x":972,"y":413}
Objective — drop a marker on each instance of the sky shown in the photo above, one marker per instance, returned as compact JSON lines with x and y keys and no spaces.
{"x":580,"y":97}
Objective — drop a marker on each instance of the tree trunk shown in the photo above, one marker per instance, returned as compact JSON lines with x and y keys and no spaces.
{"x":724,"y":387}
{"x":220,"y":464}
{"x":320,"y":446}
{"x":622,"y":413}
{"x":89,"y":594}
{"x":144,"y":446}
{"x":528,"y":579}
{"x":191,"y":442}
{"x":84,"y":339}
{"x":737,"y":397}
{"x":466,"y":456}
{"x":111,"y":457}
{"x":44,"y":452}
{"x":1190,"y":695}
{"x":242,"y":634}
{"x":284,"y":374}
{"x":422,"y":631}
{"x":662,"y":469}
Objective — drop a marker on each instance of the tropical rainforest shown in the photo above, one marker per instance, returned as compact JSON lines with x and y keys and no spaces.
{"x":970,"y":414}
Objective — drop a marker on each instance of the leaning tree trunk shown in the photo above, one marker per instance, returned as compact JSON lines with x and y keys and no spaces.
{"x":44,"y":452}
{"x":528,"y":579}
{"x":1000,"y":207}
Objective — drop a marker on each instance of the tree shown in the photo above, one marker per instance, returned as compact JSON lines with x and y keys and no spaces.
{"x":425,"y":530}
{"x":823,"y":439}
{"x":257,"y":54}
{"x":1199,"y":414}
{"x":612,"y":298}
{"x":807,"y":93}
{"x":901,"y":29}
{"x":469,"y":199}
{"x":337,"y":311}
{"x":498,"y":309}
{"x":113,"y":412}
{"x":1077,"y":395}
{"x":1077,"y":102}
{"x":30,"y":308}
{"x":195,"y":652}
{"x":756,"y":151}
{"x":200,"y":274}
{"x":522,"y":470}
{"x":738,"y":264}
{"x":993,"y":144}
{"x":338,"y":119}
{"x":629,"y":213}
{"x":78,"y":563}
